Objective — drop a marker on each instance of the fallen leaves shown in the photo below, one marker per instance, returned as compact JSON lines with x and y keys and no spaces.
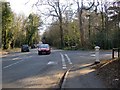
{"x":109,"y":71}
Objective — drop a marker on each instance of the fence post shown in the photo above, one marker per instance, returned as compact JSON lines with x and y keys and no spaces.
{"x":113,"y":53}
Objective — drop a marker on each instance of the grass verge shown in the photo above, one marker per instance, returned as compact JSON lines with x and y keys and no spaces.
{"x":9,"y":51}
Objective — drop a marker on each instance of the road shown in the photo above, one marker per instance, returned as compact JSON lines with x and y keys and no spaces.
{"x":30,"y":70}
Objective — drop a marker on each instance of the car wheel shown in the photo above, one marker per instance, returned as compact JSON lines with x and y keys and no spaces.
{"x":48,"y":53}
{"x":39,"y":53}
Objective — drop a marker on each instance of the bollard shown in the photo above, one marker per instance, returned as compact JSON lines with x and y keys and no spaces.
{"x":97,"y":54}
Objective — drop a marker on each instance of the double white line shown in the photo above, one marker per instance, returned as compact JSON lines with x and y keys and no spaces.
{"x":63,"y":60}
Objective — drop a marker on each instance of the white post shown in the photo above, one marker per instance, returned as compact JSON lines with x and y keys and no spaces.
{"x":97,"y":54}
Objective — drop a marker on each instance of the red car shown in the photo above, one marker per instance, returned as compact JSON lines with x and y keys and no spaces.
{"x":44,"y":49}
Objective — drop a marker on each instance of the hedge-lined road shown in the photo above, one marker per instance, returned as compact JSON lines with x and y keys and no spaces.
{"x":30,"y":70}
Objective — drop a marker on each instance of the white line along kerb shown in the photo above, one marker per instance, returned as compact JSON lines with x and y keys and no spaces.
{"x":68,"y":59}
{"x":63,"y":61}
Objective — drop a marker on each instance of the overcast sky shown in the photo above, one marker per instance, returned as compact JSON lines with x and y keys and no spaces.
{"x":19,"y":6}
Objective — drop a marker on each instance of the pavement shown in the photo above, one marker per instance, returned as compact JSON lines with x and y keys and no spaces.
{"x":82,"y":76}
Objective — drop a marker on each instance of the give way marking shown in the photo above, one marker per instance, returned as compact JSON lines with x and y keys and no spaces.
{"x":64,"y":66}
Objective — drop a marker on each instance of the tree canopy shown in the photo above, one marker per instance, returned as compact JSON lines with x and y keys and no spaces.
{"x":100,"y":25}
{"x":18,"y":29}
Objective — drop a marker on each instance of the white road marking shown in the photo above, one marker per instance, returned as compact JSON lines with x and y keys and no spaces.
{"x":51,"y":63}
{"x":92,"y":55}
{"x":63,"y":61}
{"x":68,"y":59}
{"x":13,"y":64}
{"x":16,"y":58}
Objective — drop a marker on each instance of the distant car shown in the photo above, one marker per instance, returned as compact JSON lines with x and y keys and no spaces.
{"x":44,"y":49}
{"x":33,"y":46}
{"x":25,"y":48}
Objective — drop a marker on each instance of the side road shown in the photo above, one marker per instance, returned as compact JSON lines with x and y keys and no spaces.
{"x":82,"y":76}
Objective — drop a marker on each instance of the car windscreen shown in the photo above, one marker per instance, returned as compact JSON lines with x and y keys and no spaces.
{"x":25,"y":46}
{"x":43,"y":46}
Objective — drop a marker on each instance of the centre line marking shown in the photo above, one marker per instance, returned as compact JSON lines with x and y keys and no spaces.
{"x":63,"y":61}
{"x":68,"y":59}
{"x":12,"y":64}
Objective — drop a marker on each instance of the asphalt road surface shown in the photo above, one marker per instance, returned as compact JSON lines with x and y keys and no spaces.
{"x":30,"y":70}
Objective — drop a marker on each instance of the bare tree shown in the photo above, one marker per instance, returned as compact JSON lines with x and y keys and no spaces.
{"x":80,"y":11}
{"x":56,"y":9}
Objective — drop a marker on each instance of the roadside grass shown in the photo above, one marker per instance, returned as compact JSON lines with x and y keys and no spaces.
{"x":74,"y":48}
{"x":9,"y":50}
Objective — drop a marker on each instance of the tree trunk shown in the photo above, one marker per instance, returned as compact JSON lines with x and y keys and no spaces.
{"x":61,"y":33}
{"x":80,"y":24}
{"x":4,"y":40}
{"x":61,"y":28}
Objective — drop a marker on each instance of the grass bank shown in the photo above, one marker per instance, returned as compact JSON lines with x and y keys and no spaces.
{"x":7,"y":51}
{"x":109,"y":71}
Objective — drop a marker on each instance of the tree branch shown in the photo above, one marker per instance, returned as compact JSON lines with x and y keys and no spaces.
{"x":27,"y":2}
{"x":53,"y":8}
{"x":89,"y":7}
